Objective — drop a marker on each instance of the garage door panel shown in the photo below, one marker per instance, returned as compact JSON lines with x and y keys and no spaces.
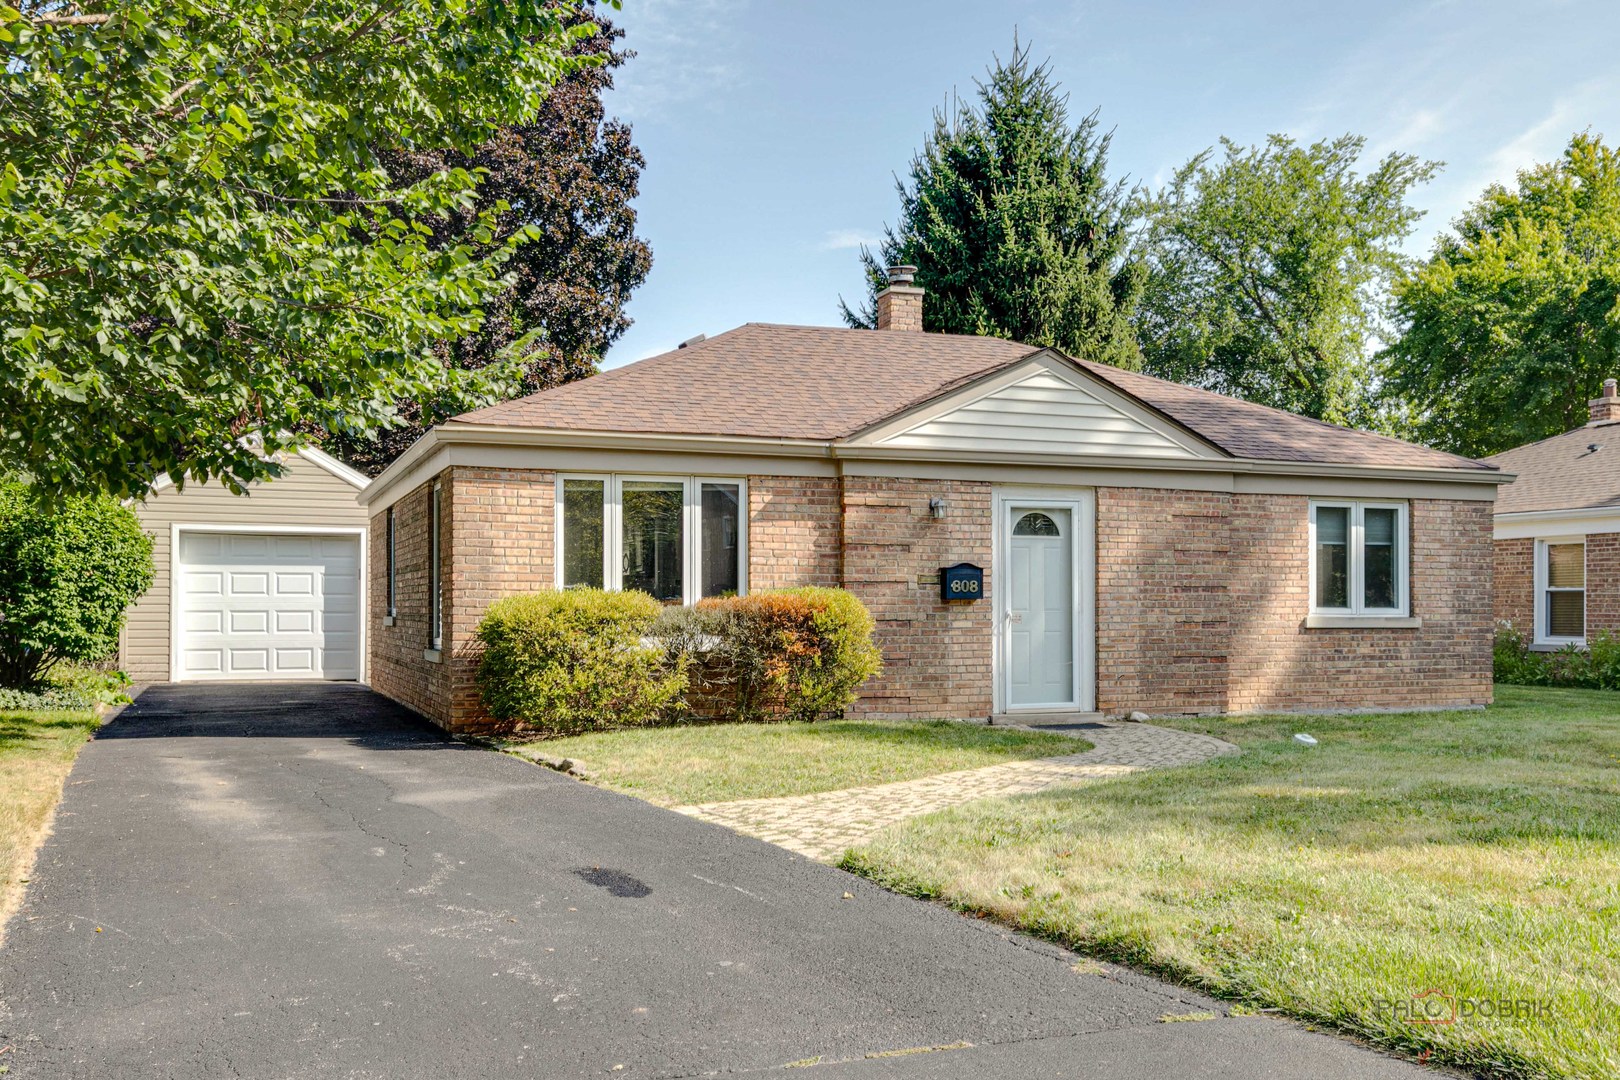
{"x":295,"y":622}
{"x":295,"y":584}
{"x":268,"y":606}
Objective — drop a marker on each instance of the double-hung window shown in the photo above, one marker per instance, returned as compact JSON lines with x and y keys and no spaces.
{"x":1561,"y":591}
{"x":1359,"y":559}
{"x":679,"y":538}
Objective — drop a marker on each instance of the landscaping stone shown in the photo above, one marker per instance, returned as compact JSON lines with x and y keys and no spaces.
{"x":825,"y":824}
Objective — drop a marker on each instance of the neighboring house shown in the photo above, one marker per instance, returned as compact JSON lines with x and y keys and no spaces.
{"x":1558,"y":531}
{"x":1144,"y":545}
{"x":266,"y":585}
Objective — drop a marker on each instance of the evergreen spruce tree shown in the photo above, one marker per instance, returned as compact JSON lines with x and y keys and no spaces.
{"x":1013,"y":224}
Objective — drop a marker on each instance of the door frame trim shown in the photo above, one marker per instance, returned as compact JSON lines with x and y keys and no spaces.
{"x":1082,"y":505}
{"x":361,"y":534}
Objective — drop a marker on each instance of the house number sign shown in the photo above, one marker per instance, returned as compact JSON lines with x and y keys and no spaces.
{"x":964,"y":581}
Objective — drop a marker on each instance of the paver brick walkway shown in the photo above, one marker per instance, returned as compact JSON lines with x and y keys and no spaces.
{"x":825,"y":824}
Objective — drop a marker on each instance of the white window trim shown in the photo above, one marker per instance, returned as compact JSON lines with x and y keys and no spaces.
{"x":1357,"y":560}
{"x":435,"y":571}
{"x":691,"y":527}
{"x":1541,"y":636}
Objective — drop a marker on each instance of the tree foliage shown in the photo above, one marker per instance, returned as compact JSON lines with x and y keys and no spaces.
{"x":1268,"y":272}
{"x":1514,"y":321}
{"x":199,"y":237}
{"x":68,"y":572}
{"x":1013,"y":224}
{"x":572,"y":173}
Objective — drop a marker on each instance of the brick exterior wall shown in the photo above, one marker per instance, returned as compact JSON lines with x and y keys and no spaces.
{"x":1201,"y":598}
{"x":936,"y":656}
{"x":1603,"y":582}
{"x":1163,"y":605}
{"x":398,"y":669}
{"x":1278,"y":664}
{"x":1516,"y":583}
{"x":794,"y":531}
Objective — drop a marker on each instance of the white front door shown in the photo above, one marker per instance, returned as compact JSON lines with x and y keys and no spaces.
{"x":1040,"y":612}
{"x":267,"y":606}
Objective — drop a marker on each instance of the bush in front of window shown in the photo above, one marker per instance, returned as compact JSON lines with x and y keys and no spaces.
{"x":1594,"y":667}
{"x":788,"y":654}
{"x":561,"y":662}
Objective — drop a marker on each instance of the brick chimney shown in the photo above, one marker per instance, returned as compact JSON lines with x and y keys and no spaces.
{"x":1603,"y":409}
{"x":899,"y":307}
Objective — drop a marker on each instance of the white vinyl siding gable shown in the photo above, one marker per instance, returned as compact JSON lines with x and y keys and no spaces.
{"x":1041,"y":413}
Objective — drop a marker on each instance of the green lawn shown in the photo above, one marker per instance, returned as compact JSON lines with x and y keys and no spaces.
{"x":36,"y":751}
{"x":1473,"y":853}
{"x":719,"y":762}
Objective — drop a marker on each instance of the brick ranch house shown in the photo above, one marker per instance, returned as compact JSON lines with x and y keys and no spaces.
{"x":1143,"y":545}
{"x":1558,"y":531}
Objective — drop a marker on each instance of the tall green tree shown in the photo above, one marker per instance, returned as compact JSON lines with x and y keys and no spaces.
{"x":1013,"y":224}
{"x":200,"y":237}
{"x":571,"y":172}
{"x":1514,"y":321}
{"x":1268,"y":272}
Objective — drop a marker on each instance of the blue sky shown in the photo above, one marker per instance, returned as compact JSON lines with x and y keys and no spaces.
{"x":773,"y":129}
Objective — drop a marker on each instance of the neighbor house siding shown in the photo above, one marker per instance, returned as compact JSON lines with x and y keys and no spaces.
{"x":305,"y":495}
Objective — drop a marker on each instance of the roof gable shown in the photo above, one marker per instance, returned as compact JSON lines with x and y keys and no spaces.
{"x":1042,"y":405}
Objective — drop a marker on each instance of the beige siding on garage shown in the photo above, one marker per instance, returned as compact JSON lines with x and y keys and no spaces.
{"x":306,"y":495}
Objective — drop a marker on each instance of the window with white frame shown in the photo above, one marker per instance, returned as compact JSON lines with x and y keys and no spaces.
{"x":393,"y":606}
{"x":1359,"y":560}
{"x":1561,"y":591}
{"x":679,"y":538}
{"x":435,"y":596}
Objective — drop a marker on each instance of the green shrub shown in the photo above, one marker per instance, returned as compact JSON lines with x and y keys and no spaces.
{"x":1512,"y":660}
{"x":795,"y":654}
{"x":1594,"y":667}
{"x":68,"y":572}
{"x":577,"y":660}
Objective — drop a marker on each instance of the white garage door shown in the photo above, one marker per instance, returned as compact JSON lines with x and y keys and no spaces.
{"x":262,"y":606}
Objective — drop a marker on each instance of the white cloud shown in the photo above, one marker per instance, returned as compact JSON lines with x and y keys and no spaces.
{"x":848,"y":239}
{"x":683,"y":50}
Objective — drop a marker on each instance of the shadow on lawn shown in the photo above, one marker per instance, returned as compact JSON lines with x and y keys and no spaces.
{"x":19,"y":731}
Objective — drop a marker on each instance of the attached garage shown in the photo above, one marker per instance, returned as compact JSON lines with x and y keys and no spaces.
{"x":266,"y":585}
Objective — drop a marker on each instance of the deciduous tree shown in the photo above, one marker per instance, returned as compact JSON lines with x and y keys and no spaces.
{"x":571,"y":173}
{"x":1514,"y":321}
{"x":1268,"y":272}
{"x":200,"y":237}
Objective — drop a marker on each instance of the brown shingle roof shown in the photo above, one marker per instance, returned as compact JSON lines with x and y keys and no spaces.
{"x":825,"y":384}
{"x":765,"y":381}
{"x":1561,"y":473}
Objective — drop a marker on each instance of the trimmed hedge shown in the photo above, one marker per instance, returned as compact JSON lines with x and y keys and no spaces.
{"x":789,"y":654}
{"x":577,"y":660}
{"x":1595,"y":667}
{"x":586,"y":660}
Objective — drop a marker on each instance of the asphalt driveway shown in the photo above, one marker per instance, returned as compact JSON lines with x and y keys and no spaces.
{"x":287,"y":880}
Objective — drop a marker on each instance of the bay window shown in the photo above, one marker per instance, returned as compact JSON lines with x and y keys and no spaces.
{"x":1561,"y":592}
{"x":1359,"y":560}
{"x":677,"y":538}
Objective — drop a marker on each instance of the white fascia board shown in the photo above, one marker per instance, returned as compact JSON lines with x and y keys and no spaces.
{"x":1538,"y":524}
